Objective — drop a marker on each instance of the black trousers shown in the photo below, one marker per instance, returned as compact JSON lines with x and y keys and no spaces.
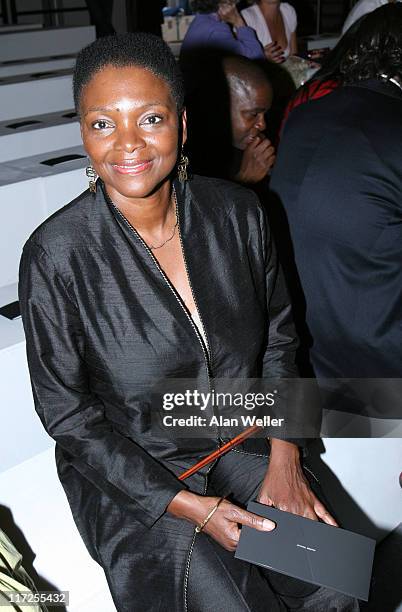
{"x":217,"y":581}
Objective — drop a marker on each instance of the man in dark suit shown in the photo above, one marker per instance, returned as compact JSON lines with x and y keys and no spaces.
{"x":338,"y":175}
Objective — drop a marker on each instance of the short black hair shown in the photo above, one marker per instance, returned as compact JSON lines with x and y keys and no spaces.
{"x":205,"y":6}
{"x":244,"y":70}
{"x":376,"y":48}
{"x":130,"y":49}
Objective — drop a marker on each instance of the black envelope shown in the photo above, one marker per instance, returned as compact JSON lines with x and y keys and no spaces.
{"x":311,"y":551}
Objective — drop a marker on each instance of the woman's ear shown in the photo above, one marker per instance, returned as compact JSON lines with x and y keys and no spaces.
{"x":183,"y":120}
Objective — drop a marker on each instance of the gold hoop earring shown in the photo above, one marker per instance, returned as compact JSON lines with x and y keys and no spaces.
{"x":92,"y":176}
{"x":182,"y":168}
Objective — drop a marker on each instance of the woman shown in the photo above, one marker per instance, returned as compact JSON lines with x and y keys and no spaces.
{"x":275,"y":24}
{"x":114,"y":300}
{"x":218,"y":26}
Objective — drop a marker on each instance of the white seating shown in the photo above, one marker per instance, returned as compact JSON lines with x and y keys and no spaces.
{"x":44,"y":42}
{"x":337,"y":423}
{"x":368,"y":470}
{"x":22,"y":209}
{"x":38,"y":134}
{"x":44,"y":64}
{"x":321,"y":41}
{"x":18,"y":414}
{"x":29,"y":486}
{"x":19,"y":27}
{"x":27,"y":96}
{"x":35,"y":497}
{"x":30,"y":191}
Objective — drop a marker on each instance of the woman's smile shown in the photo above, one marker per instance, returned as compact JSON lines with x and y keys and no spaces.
{"x":132,"y":167}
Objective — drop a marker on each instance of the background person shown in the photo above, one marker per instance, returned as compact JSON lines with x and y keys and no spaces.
{"x":219,"y":26}
{"x":343,"y":205}
{"x":275,"y":24}
{"x":329,"y":76}
{"x":250,"y":100}
{"x":239,"y":96}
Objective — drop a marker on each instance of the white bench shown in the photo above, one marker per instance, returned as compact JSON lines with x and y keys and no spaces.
{"x":34,"y":496}
{"x":29,"y":487}
{"x":321,"y":41}
{"x":29,"y":95}
{"x":44,"y":42}
{"x":30,"y":191}
{"x":38,"y":134}
{"x":19,"y":27}
{"x":44,"y":64}
{"x":362,"y":482}
{"x":18,"y":414}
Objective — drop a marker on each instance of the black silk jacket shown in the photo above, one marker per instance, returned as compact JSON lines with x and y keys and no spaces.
{"x":103,"y":324}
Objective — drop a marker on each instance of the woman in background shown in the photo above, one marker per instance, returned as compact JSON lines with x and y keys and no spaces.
{"x":219,"y":26}
{"x":275,"y":24}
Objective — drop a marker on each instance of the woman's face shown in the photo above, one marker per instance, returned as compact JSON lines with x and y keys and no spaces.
{"x":130,"y":130}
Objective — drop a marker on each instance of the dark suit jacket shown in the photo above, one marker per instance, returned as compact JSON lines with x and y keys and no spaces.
{"x":338,"y":175}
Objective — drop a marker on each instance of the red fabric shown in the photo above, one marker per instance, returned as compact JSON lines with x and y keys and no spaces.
{"x":310,"y":91}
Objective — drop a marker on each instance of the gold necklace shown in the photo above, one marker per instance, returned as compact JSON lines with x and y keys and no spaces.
{"x":159,"y":246}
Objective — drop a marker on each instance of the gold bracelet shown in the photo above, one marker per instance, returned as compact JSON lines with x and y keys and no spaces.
{"x":210,"y":514}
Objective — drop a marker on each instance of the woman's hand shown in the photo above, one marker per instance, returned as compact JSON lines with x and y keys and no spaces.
{"x":258,"y":158}
{"x":228,"y":12}
{"x":274,"y":53}
{"x":223,"y":525}
{"x":286,"y":487}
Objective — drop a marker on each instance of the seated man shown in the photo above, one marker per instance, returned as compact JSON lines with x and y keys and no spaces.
{"x":250,"y":99}
{"x":227,"y":122}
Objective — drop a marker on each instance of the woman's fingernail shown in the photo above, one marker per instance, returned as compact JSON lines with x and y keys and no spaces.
{"x":268,"y":525}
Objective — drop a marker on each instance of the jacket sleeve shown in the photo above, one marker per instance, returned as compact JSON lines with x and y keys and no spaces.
{"x":71,"y":414}
{"x":246,"y":43}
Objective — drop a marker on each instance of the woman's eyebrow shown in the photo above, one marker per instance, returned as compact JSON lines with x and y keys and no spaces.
{"x":108,"y":109}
